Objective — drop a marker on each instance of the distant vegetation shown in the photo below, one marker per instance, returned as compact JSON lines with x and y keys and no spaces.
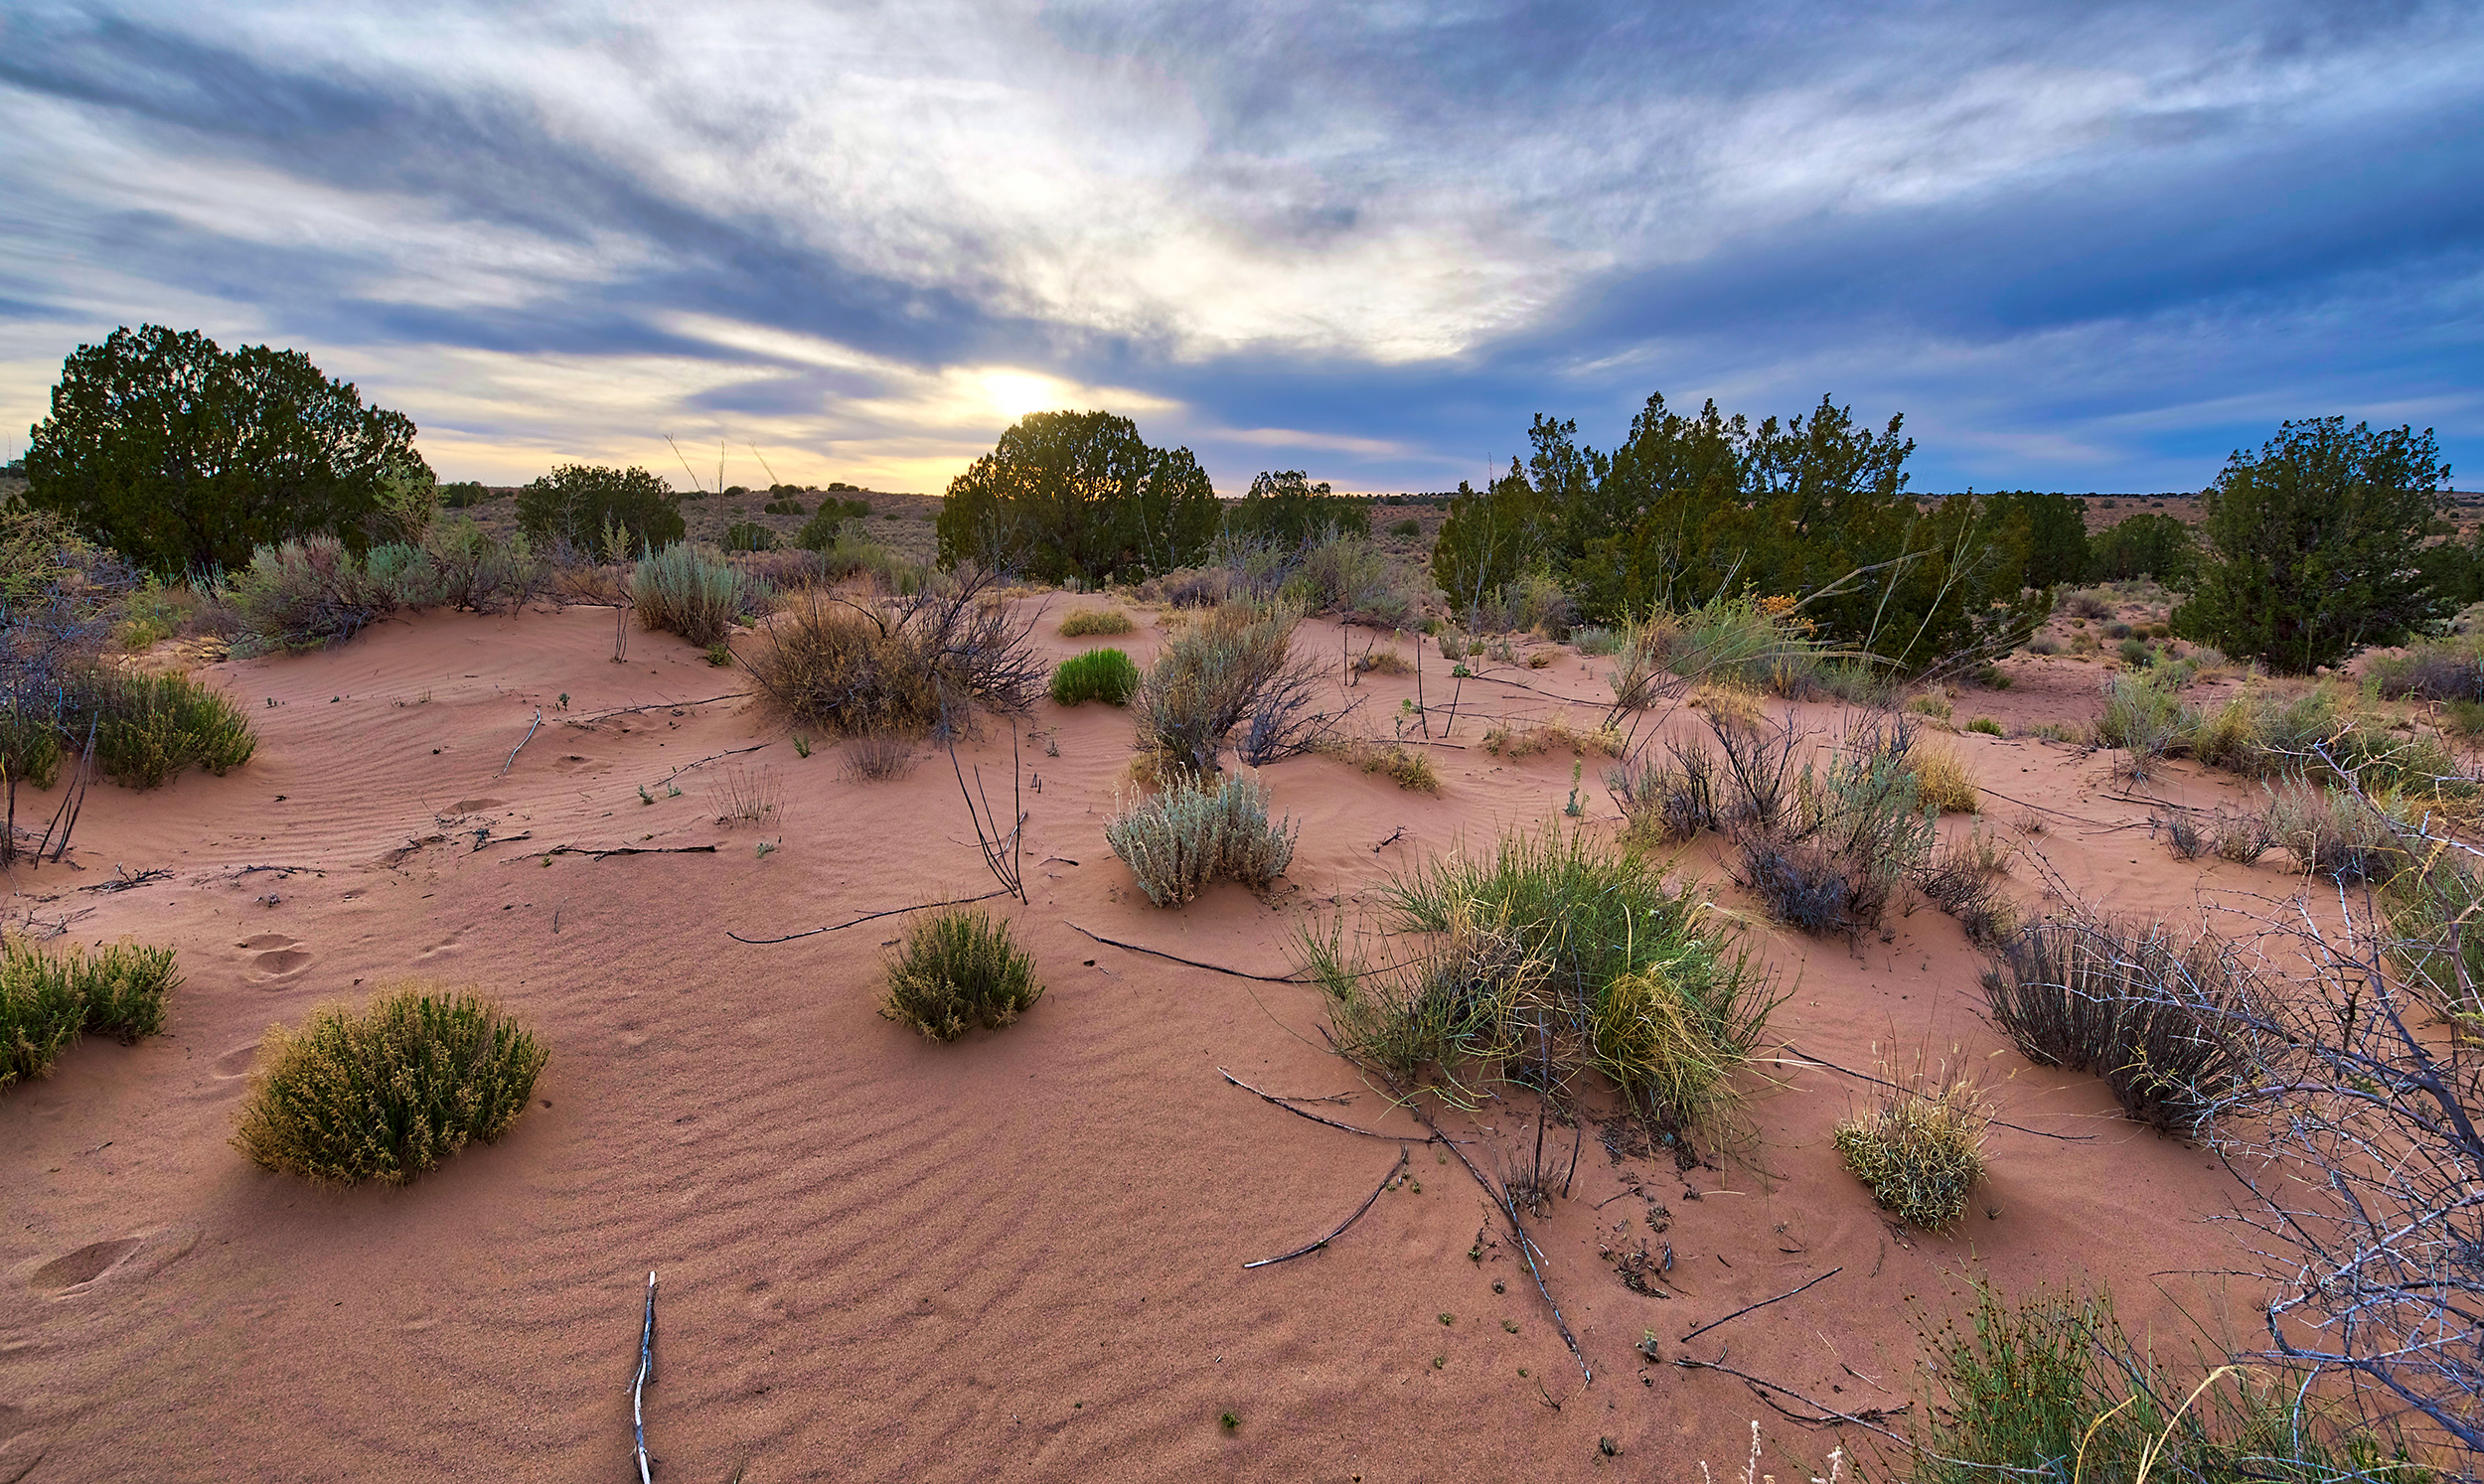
{"x":1078,"y":495}
{"x":596,"y":509}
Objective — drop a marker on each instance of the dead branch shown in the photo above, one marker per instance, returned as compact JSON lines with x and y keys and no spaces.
{"x":1177,"y":958}
{"x":601,"y":853}
{"x":522,"y":742}
{"x":1369,"y":1201}
{"x":864,"y":918}
{"x":591,"y":717}
{"x":646,"y":1373}
{"x":1315,"y":1118}
{"x":124,"y":880}
{"x":1762,"y":1304}
{"x":1803,"y":1060}
{"x":734,"y":752}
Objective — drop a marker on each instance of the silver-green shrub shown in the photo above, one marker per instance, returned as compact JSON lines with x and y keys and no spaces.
{"x":1194,"y":832}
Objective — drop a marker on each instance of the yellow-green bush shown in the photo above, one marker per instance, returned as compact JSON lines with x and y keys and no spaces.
{"x":959,"y":970}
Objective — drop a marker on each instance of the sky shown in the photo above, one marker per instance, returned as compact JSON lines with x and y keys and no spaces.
{"x":2086,"y":247}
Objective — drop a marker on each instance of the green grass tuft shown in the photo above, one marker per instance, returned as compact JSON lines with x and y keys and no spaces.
{"x":1080,"y":622}
{"x":1098,"y":674}
{"x":960,"y":969}
{"x":48,"y":1000}
{"x":148,"y":728}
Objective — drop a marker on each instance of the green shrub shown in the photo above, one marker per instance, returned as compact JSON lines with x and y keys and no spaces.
{"x":1407,"y":530}
{"x":1919,"y":1149}
{"x":48,"y":1000}
{"x":959,"y":970}
{"x":463,"y":495}
{"x":1098,"y":674}
{"x":1345,"y":573}
{"x":1594,"y":639}
{"x":697,"y":596}
{"x":2157,"y":547}
{"x":1286,"y":509}
{"x":1078,"y":495}
{"x":1551,"y":931}
{"x":748,"y":535}
{"x":1078,"y":623}
{"x":2142,"y":717}
{"x":2331,"y":833}
{"x":390,"y":1091}
{"x":1985,"y":725}
{"x":305,"y":595}
{"x":580,"y":503}
{"x":148,"y":728}
{"x":1193,"y":832}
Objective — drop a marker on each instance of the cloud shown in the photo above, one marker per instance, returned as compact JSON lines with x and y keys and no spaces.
{"x":1371,"y":239}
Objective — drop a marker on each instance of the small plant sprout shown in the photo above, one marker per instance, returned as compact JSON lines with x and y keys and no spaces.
{"x":766,"y":849}
{"x":1510,"y":1325}
{"x":801,"y":745}
{"x":644,"y":797}
{"x":671,"y":790}
{"x":1439,"y":1363}
{"x":1448,"y":1318}
{"x":1574,"y":808}
{"x":1229,"y":1421}
{"x":564,"y":701}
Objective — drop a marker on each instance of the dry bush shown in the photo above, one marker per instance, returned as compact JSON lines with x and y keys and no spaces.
{"x":959,"y":970}
{"x":1919,"y":1147}
{"x":1234,"y":667}
{"x":908,"y":663}
{"x":1193,"y":832}
{"x":2156,"y":1017}
{"x":1964,"y":881}
{"x":1730,"y":704}
{"x":2333,"y":832}
{"x":1080,"y":622}
{"x":1381,"y":663}
{"x":877,"y":756}
{"x":387,"y":1092}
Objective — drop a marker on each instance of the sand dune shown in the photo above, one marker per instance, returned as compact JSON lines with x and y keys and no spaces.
{"x":1018,"y":1257}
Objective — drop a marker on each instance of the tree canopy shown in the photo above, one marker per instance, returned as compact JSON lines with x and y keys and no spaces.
{"x":2315,"y":544}
{"x":584,"y":503}
{"x":180,"y":454}
{"x":1285,"y":506}
{"x":1078,"y":495}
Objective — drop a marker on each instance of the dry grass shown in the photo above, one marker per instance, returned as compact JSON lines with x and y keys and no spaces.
{"x":913,"y":664}
{"x":1080,"y":622}
{"x":878,"y":756}
{"x":1942,"y":781}
{"x":1730,"y":704}
{"x":1550,"y":736}
{"x":1381,"y":663}
{"x":1921,"y":1147}
{"x":1407,"y":769}
{"x":748,"y":795}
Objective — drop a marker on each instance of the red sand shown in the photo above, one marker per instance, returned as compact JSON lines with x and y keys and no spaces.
{"x":1015,"y":1257}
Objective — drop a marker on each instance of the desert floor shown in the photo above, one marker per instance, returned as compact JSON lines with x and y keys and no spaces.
{"x":1015,"y":1257}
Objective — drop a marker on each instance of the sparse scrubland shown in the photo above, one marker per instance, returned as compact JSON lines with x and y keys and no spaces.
{"x":1757,"y":634}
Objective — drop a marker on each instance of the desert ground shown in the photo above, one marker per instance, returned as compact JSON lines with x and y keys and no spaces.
{"x":1021,"y":1255}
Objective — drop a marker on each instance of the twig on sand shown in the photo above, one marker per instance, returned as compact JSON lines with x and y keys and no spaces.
{"x":864,"y":918}
{"x":704,"y":762}
{"x":522,"y":742}
{"x":1264,"y":978}
{"x":600,"y":852}
{"x":1762,"y":1304}
{"x":591,"y":717}
{"x":1316,"y":1118}
{"x":126,"y":880}
{"x":1341,"y":1226}
{"x":646,"y":1371}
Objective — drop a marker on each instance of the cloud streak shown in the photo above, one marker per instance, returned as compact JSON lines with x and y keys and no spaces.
{"x":2089,"y":250}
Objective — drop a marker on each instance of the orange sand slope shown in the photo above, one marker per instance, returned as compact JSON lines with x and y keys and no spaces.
{"x":1014,"y":1257}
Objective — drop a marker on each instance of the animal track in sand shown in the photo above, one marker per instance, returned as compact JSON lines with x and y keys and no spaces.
{"x":475,"y":806}
{"x":237,"y":1062}
{"x":573,"y":763}
{"x":282,"y":956}
{"x":84,"y":1265}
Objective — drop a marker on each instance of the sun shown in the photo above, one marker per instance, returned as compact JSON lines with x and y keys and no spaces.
{"x":1013,"y":394}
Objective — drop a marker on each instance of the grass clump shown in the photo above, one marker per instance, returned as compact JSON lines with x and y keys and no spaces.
{"x":1394,"y":761}
{"x":149,"y":729}
{"x":48,"y":1000}
{"x":1194,"y":832}
{"x":387,"y":1092}
{"x":960,"y":969}
{"x":1080,"y":622}
{"x":1943,"y":784}
{"x":1553,"y":958}
{"x":1502,"y":741}
{"x":1987,"y":725}
{"x":1921,"y":1149}
{"x":683,"y":590}
{"x":2330,"y":832}
{"x":2157,"y":1018}
{"x":1105,"y":675}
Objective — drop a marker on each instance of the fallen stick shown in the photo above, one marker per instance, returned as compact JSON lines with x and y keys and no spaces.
{"x":1342,"y":1226}
{"x":864,"y":918}
{"x":591,"y":717}
{"x":704,"y":762}
{"x":1829,"y":1414}
{"x":126,"y":881}
{"x":645,"y":1369}
{"x":1762,"y":1304}
{"x":630,"y":851}
{"x":1177,"y":958}
{"x":522,"y":742}
{"x":1316,"y":1118}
